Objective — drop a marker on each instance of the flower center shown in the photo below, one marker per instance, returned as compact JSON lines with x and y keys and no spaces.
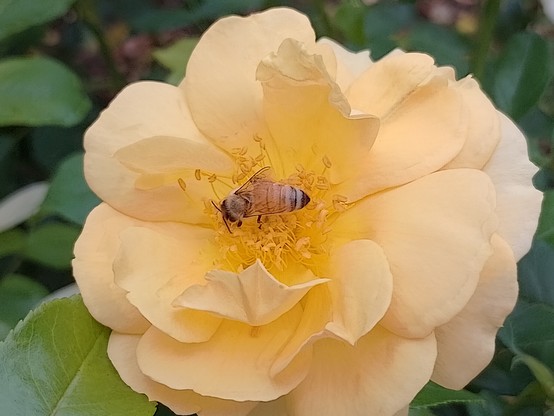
{"x":283,"y":234}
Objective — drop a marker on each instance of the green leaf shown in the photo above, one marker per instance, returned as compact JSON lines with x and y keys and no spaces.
{"x":207,"y":10}
{"x":11,"y":242}
{"x":452,"y":49}
{"x":545,"y":229}
{"x":535,"y":272}
{"x":18,"y":295}
{"x":542,"y":373}
{"x":51,"y":145}
{"x":40,"y":91}
{"x":521,"y":74}
{"x":52,"y":245}
{"x":383,"y":22}
{"x":349,"y":20}
{"x":434,"y":395}
{"x":175,"y":58}
{"x":530,"y":328}
{"x":55,"y":363}
{"x":69,"y":195}
{"x":17,"y":15}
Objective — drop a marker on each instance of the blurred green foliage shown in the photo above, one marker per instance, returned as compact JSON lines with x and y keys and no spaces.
{"x":61,"y":61}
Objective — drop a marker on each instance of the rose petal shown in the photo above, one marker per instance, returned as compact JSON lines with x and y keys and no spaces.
{"x":361,"y":288}
{"x":95,"y":251}
{"x":141,"y":111}
{"x":435,"y":233}
{"x":518,"y":203}
{"x":253,"y":296}
{"x":155,"y":265}
{"x":122,"y":353}
{"x":466,"y":343}
{"x":403,"y":412}
{"x":220,"y":84}
{"x":483,"y":127}
{"x":235,"y":349}
{"x":350,"y":65}
{"x":308,"y":117}
{"x":379,"y":376}
{"x":389,"y":82}
{"x":411,"y":141}
{"x":316,"y":314}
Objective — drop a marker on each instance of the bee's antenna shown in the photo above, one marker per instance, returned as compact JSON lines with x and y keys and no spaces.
{"x":215,"y":206}
{"x":222,"y":216}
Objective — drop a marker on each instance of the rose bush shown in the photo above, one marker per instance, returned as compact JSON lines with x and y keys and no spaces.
{"x":400,"y":269}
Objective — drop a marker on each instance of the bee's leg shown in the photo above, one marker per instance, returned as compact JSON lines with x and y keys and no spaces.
{"x":239,"y":223}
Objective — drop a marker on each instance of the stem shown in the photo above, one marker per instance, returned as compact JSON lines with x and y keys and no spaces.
{"x":487,"y":23}
{"x":89,"y":16}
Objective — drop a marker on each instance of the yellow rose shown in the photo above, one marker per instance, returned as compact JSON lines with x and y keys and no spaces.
{"x":399,"y":270}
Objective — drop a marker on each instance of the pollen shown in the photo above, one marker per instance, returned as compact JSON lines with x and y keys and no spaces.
{"x":284,"y":239}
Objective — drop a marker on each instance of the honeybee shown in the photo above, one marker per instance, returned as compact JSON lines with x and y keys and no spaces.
{"x":259,"y":196}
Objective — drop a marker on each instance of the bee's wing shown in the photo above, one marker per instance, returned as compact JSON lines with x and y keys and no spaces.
{"x":248,"y":186}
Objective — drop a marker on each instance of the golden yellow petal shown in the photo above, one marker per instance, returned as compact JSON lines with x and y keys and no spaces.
{"x":518,"y":202}
{"x":466,"y":343}
{"x":308,"y":116}
{"x":220,"y":83}
{"x":95,"y":251}
{"x":122,"y":353}
{"x":377,"y":377}
{"x":483,"y":132}
{"x":253,"y":296}
{"x":419,"y":135}
{"x":435,"y":233}
{"x":361,"y":288}
{"x":155,"y":264}
{"x":141,"y":111}
{"x":235,"y":349}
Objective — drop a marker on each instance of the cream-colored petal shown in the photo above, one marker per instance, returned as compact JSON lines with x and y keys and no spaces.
{"x":466,"y":343}
{"x":435,"y":233}
{"x":122,"y":353}
{"x":156,"y":265}
{"x":378,"y":377}
{"x":234,"y":364}
{"x":253,"y":296}
{"x":389,"y":82}
{"x":173,"y":154}
{"x":316,"y":314}
{"x":483,"y":127}
{"x":350,"y":65}
{"x":141,"y":111}
{"x":220,"y":84}
{"x":361,"y":288}
{"x":308,"y":116}
{"x":418,"y":136}
{"x":518,"y":202}
{"x":95,"y":251}
{"x":403,"y":412}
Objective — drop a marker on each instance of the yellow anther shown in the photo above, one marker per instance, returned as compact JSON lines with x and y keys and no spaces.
{"x":340,"y":198}
{"x":182,"y":184}
{"x":197,"y":174}
{"x":326,"y":161}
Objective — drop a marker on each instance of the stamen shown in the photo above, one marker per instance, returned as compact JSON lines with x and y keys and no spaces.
{"x":278,"y":240}
{"x":197,"y":174}
{"x":182,"y":184}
